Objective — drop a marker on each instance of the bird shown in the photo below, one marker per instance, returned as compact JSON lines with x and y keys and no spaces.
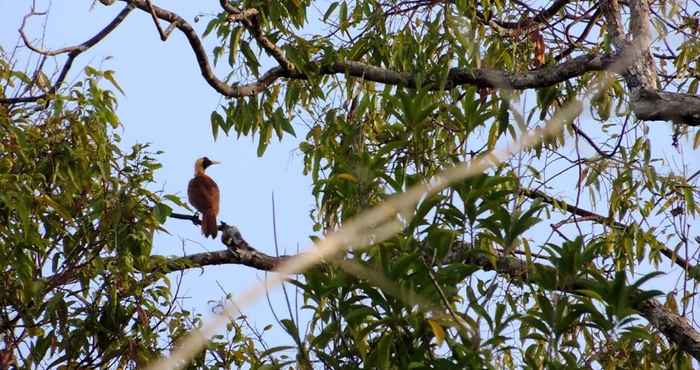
{"x":203,"y":194}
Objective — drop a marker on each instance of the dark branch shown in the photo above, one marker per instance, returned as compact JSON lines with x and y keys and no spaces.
{"x":542,"y":77}
{"x":238,"y":249}
{"x":540,"y":17}
{"x":249,"y":19}
{"x":73,"y":52}
{"x":647,"y":103}
{"x":675,"y":327}
{"x":163,"y":34}
{"x":595,"y":146}
{"x":646,"y":106}
{"x":582,"y":37}
{"x":607,"y":221}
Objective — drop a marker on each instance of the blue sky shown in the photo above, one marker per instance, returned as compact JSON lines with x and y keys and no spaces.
{"x":168,"y":104}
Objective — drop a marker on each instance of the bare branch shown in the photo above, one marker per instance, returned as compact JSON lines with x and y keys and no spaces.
{"x":73,"y":52}
{"x":163,"y":34}
{"x":538,"y":18}
{"x":607,"y":221}
{"x":676,"y":328}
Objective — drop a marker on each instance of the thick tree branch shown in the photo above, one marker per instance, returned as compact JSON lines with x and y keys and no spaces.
{"x":647,"y":102}
{"x":654,"y":105}
{"x":676,"y":328}
{"x":247,"y":257}
{"x":73,"y":52}
{"x":542,"y":77}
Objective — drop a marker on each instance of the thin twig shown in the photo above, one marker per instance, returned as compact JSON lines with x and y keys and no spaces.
{"x":73,"y":52}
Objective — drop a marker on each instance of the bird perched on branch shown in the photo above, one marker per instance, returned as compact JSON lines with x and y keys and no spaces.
{"x":204,"y":196}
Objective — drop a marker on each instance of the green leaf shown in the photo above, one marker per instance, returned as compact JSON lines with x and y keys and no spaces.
{"x":109,"y":75}
{"x":265,"y":135}
{"x":251,"y":59}
{"x":210,"y":27}
{"x":438,"y":331}
{"x":162,"y":212}
{"x":234,"y":45}
{"x":330,"y":10}
{"x":216,"y":122}
{"x":383,"y":352}
{"x":287,"y":127}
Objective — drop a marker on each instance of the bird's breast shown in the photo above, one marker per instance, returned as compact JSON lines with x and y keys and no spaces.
{"x":203,"y":193}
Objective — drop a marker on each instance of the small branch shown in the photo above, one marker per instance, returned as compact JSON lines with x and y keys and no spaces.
{"x":73,"y":52}
{"x":238,"y":248}
{"x":540,"y":17}
{"x":592,"y":143}
{"x":163,"y":34}
{"x":594,"y":18}
{"x":249,"y":19}
{"x":251,"y":258}
{"x":607,"y":221}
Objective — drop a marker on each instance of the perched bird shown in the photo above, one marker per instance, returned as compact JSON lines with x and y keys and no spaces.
{"x":204,"y":196}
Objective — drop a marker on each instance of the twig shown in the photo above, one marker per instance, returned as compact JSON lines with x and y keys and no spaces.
{"x":73,"y":52}
{"x":607,"y":221}
{"x":163,"y":34}
{"x":595,"y":146}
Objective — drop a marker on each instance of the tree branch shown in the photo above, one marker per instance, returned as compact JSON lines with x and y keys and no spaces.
{"x":607,"y":221}
{"x":73,"y":52}
{"x":249,"y":19}
{"x":676,"y":328}
{"x":646,"y":104}
{"x":163,"y":34}
{"x":654,"y":105}
{"x":540,"y":17}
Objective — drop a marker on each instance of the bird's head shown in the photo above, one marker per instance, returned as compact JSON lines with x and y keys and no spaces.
{"x":202,"y":163}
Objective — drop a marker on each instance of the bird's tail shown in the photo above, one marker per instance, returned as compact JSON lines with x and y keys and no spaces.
{"x":209,"y":227}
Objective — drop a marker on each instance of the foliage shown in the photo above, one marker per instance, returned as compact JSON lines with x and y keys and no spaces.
{"x":490,"y":273}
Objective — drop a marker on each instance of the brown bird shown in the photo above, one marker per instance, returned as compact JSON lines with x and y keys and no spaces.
{"x":204,"y":196}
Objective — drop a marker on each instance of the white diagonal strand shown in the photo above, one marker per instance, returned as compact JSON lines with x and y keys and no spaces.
{"x":379,"y":223}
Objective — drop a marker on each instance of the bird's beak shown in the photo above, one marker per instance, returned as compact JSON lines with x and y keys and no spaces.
{"x":215,"y":162}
